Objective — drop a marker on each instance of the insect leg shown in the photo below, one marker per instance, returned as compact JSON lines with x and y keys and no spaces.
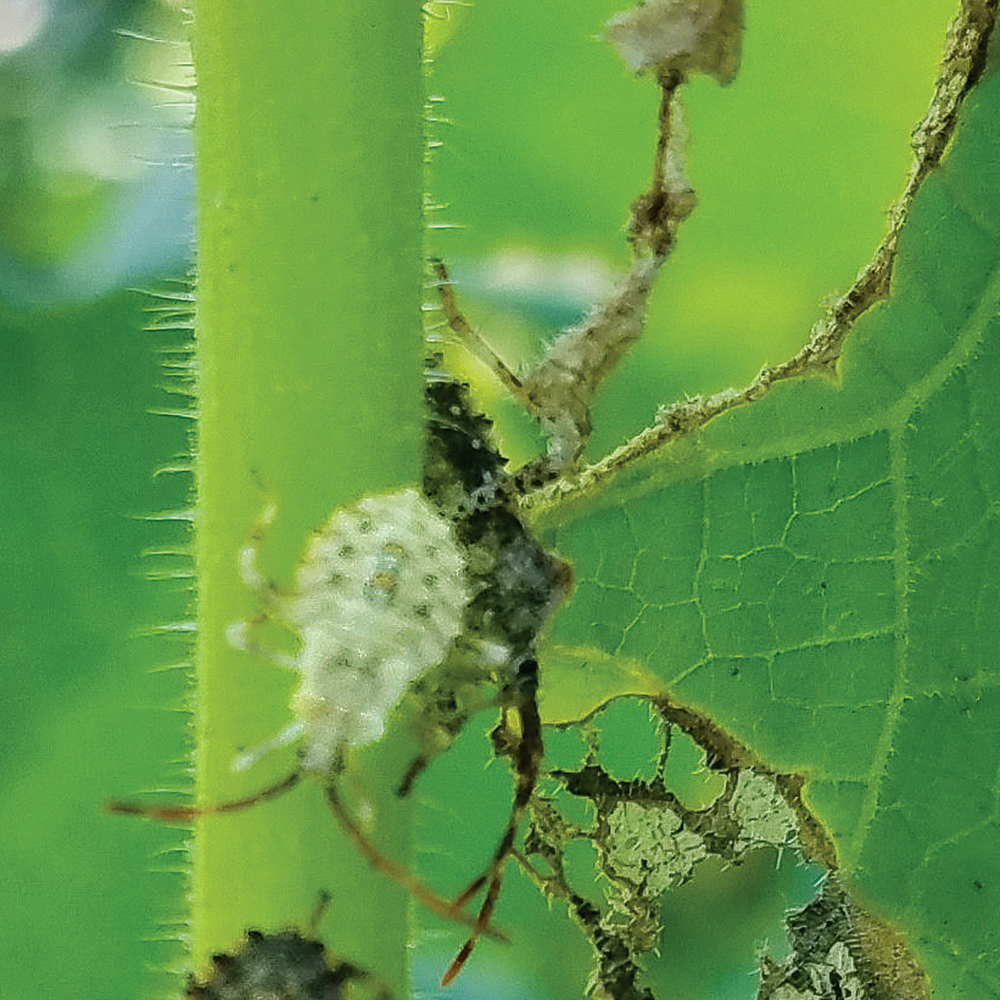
{"x":383,"y":863}
{"x":171,"y":814}
{"x":471,"y":337}
{"x":426,"y":895}
{"x":527,"y":762}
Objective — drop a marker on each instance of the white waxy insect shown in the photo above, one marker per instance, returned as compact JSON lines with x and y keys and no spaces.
{"x":378,"y":599}
{"x":379,"y":596}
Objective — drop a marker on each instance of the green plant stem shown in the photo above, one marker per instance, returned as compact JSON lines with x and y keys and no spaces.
{"x":309,"y":160}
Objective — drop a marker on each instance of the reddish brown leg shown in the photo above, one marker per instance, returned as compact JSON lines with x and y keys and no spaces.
{"x":527,"y":762}
{"x":173,"y":814}
{"x":426,"y":895}
{"x":383,"y":863}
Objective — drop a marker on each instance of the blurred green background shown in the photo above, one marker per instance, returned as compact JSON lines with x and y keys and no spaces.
{"x":548,"y":140}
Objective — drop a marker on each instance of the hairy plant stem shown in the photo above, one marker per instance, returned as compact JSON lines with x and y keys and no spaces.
{"x":310,"y":162}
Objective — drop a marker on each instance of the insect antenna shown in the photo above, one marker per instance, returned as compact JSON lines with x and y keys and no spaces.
{"x":322,"y":904}
{"x":527,"y":757}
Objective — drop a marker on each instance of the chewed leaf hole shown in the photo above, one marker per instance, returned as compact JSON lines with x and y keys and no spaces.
{"x":688,"y":777}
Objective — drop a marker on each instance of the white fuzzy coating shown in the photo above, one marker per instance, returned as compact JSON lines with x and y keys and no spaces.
{"x":378,"y":599}
{"x":694,"y":36}
{"x":562,"y":386}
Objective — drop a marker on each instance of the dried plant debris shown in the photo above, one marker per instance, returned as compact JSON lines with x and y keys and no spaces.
{"x":685,"y":36}
{"x":649,"y":843}
{"x":762,"y":814}
{"x":559,"y":391}
{"x":840,"y":952}
{"x":649,"y":847}
{"x":676,"y":37}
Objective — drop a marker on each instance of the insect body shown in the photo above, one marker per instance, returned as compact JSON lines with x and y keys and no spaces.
{"x":283,"y":966}
{"x":378,"y":599}
{"x":515,"y":585}
{"x":287,"y":965}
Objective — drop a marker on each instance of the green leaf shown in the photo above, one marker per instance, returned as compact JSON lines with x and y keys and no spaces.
{"x":817,"y":571}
